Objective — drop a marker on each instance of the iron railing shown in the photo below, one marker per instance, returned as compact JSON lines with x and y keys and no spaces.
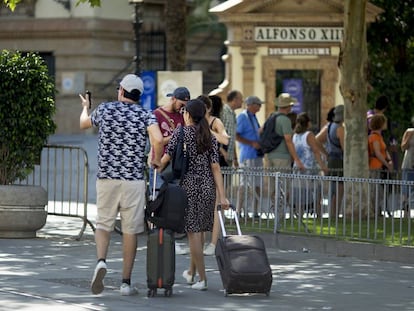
{"x":374,"y":210}
{"x":63,"y":172}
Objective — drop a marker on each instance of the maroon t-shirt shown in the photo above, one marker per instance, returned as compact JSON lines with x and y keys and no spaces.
{"x":168,"y":121}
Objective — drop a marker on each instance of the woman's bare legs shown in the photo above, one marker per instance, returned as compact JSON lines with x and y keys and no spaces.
{"x":196,"y":243}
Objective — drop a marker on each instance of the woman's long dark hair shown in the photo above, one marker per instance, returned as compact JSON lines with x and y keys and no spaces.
{"x":217,"y":105}
{"x":197,"y":111}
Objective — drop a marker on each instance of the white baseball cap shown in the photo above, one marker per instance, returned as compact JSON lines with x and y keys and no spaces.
{"x":132,"y":82}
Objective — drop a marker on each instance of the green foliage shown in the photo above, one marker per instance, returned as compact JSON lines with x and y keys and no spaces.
{"x":26,"y":113}
{"x":201,"y":20}
{"x":12,"y":3}
{"x":391,"y":62}
{"x":91,"y":2}
{"x":386,"y":231}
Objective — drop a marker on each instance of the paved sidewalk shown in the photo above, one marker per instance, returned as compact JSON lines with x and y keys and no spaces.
{"x":53,"y":272}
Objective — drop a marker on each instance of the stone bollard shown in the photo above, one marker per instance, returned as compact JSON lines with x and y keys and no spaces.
{"x":22,"y":210}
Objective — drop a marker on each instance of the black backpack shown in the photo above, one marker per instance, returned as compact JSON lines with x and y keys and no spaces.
{"x":269,"y":139}
{"x":169,"y":209}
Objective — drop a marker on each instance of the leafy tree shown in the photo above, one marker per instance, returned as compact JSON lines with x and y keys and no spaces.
{"x":201,"y":20}
{"x":391,"y":62}
{"x":12,"y":3}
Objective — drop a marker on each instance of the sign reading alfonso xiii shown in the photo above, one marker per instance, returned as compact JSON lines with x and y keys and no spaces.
{"x":299,"y":34}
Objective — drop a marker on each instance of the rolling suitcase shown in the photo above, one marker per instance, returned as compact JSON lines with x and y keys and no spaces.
{"x":242,"y":261}
{"x":160,"y":259}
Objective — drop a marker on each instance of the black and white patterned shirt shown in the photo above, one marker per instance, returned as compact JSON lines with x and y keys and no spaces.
{"x":122,"y":139}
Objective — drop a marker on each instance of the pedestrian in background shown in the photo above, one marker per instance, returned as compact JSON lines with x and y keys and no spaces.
{"x":309,"y":153}
{"x":120,"y":186}
{"x":247,"y":135}
{"x":407,"y":166}
{"x":169,"y":118}
{"x":218,"y":130}
{"x":333,"y":139}
{"x":321,"y":137}
{"x":201,"y":182}
{"x":379,"y":158}
{"x":216,"y":109}
{"x":381,"y":104}
{"x":228,"y":117}
{"x":285,"y":154}
{"x":307,"y":147}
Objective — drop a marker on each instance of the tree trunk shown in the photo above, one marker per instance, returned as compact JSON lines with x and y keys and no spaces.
{"x":176,"y":32}
{"x":353,"y":66}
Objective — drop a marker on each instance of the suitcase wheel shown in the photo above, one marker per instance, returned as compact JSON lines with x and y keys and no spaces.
{"x":152,"y":292}
{"x":168,"y":292}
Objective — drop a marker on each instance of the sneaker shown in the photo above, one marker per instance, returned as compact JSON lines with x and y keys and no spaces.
{"x":189,"y":278}
{"x":180,"y":250}
{"x":210,"y":250}
{"x":97,"y":285}
{"x":200,"y":285}
{"x":128,"y":290}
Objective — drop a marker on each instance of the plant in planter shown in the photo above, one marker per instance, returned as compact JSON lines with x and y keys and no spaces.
{"x":26,"y":120}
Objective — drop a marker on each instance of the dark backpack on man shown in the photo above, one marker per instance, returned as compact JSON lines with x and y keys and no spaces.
{"x":269,"y":139}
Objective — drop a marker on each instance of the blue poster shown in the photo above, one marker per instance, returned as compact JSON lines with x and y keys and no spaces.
{"x":294,"y":88}
{"x":148,"y":96}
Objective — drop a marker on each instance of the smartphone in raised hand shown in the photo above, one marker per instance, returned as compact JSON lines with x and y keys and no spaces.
{"x":89,"y":97}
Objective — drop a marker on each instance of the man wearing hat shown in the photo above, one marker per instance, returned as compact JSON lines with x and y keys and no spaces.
{"x":169,"y":117}
{"x":120,"y":186}
{"x":283,"y":155}
{"x":247,"y":135}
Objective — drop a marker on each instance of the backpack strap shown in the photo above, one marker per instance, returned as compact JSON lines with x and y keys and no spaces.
{"x":329,"y":137}
{"x":172,"y":124}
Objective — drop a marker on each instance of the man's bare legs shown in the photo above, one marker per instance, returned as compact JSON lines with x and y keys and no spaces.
{"x":129,"y":250}
{"x":102,"y":239}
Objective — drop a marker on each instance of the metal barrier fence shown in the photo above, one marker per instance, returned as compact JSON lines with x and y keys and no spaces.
{"x":63,"y":173}
{"x":374,"y":210}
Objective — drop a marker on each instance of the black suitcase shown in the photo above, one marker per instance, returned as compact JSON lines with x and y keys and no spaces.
{"x":160,"y":259}
{"x":242,"y":262}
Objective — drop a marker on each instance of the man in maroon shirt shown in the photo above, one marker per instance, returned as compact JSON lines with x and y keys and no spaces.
{"x":169,"y":117}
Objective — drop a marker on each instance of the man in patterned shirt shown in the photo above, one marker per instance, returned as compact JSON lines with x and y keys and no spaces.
{"x":120,"y":186}
{"x":228,"y":117}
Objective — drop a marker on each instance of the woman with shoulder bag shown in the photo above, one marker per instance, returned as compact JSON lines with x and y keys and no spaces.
{"x":200,"y":182}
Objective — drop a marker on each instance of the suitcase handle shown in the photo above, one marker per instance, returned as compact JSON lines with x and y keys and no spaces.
{"x":236,"y":220}
{"x":154,"y":183}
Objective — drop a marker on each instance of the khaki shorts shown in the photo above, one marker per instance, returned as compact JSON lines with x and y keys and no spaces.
{"x":124,"y":196}
{"x":284,"y":164}
{"x":247,"y":180}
